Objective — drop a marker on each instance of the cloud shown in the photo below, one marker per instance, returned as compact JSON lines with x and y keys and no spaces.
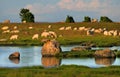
{"x":82,"y":5}
{"x":38,"y":8}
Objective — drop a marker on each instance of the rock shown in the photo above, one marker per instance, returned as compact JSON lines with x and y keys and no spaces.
{"x":50,"y":61}
{"x":105,"y":61}
{"x":15,"y":60}
{"x":81,"y":48}
{"x":51,"y":48}
{"x":105,"y":53}
{"x":15,"y":55}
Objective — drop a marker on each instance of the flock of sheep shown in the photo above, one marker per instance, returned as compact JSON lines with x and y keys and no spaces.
{"x":46,"y":34}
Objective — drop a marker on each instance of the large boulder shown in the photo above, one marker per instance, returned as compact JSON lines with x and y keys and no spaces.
{"x":107,"y":53}
{"x":15,"y":55}
{"x":48,"y":62}
{"x":81,"y":48}
{"x":51,"y":48}
{"x":6,"y":21}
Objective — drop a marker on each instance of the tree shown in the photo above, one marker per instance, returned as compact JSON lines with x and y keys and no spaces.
{"x":87,"y":19}
{"x":26,"y":15}
{"x":69,"y":19}
{"x":105,"y":19}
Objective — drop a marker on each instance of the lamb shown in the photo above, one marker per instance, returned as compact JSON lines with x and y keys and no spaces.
{"x":68,"y":28}
{"x":14,"y":37}
{"x":35,"y":36}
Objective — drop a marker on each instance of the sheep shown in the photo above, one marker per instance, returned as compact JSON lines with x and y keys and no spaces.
{"x":14,"y":37}
{"x":110,"y":33}
{"x":68,"y":28}
{"x":15,"y":31}
{"x":105,"y":33}
{"x":35,"y":36}
{"x":53,"y":34}
{"x":6,"y":31}
{"x":115,"y":33}
{"x":45,"y":34}
{"x":90,"y":32}
{"x":81,"y":28}
{"x":75,"y":28}
{"x":62,"y":28}
{"x":49,"y":34}
{"x":15,"y":27}
{"x":30,"y":27}
{"x":49,"y":26}
{"x":4,"y":27}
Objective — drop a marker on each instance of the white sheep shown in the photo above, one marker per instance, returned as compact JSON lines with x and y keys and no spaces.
{"x":105,"y":33}
{"x":62,"y":28}
{"x":45,"y":34}
{"x":15,"y":27}
{"x":35,"y":36}
{"x":90,"y":32}
{"x":15,"y":31}
{"x":6,"y":31}
{"x":52,"y":34}
{"x":14,"y":37}
{"x":75,"y":28}
{"x":30,"y":27}
{"x":81,"y":28}
{"x":4,"y":27}
{"x":115,"y":33}
{"x":68,"y":28}
{"x":49,"y":26}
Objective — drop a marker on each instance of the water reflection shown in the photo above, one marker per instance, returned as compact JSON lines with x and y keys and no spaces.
{"x":48,"y":62}
{"x":15,"y":60}
{"x":105,"y":61}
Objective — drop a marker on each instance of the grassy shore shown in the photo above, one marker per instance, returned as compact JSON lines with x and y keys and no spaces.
{"x":68,"y":37}
{"x":62,"y":71}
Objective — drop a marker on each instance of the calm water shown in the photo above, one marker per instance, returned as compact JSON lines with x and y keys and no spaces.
{"x":31,"y":56}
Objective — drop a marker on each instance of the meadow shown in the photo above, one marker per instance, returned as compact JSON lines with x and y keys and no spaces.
{"x":62,"y":71}
{"x":68,"y":36}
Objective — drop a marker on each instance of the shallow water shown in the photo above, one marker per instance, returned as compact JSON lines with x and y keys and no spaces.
{"x":31,"y":56}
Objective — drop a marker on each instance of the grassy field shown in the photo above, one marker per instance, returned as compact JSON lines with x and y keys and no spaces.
{"x":68,"y":37}
{"x":62,"y":71}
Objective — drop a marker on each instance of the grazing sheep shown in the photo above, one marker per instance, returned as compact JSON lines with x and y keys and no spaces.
{"x":75,"y":28}
{"x":81,"y":28}
{"x":15,"y":31}
{"x":14,"y":37}
{"x":115,"y":33}
{"x":105,"y":33}
{"x":45,"y":34}
{"x":90,"y":32}
{"x":49,"y":26}
{"x":15,"y":27}
{"x":4,"y":27}
{"x":53,"y":34}
{"x":6,"y":31}
{"x":30,"y":27}
{"x":68,"y":28}
{"x":62,"y":28}
{"x":35,"y":36}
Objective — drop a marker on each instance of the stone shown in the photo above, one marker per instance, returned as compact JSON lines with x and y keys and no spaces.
{"x":51,"y":48}
{"x":81,"y":48}
{"x":105,"y":53}
{"x":15,"y":55}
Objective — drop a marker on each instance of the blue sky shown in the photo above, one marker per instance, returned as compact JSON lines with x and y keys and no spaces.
{"x":57,"y":10}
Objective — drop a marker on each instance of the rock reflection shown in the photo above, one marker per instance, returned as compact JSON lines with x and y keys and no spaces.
{"x":105,"y":61}
{"x":15,"y":60}
{"x":48,"y":62}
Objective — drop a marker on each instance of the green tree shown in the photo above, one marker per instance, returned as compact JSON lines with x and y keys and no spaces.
{"x":26,"y":15}
{"x":87,"y":19}
{"x":69,"y":19}
{"x":105,"y":19}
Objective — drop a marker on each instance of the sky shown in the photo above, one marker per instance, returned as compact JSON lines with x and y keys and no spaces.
{"x":57,"y":10}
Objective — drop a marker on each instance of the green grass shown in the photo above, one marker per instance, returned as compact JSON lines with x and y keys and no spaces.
{"x":62,"y":71}
{"x":69,"y":37}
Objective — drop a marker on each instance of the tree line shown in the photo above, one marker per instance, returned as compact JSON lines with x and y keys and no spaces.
{"x":26,"y":16}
